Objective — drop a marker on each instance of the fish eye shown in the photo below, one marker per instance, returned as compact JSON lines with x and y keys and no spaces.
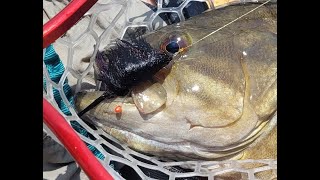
{"x":175,"y":42}
{"x":172,"y":47}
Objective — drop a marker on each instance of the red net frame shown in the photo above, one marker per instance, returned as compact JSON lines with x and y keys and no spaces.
{"x":52,"y":30}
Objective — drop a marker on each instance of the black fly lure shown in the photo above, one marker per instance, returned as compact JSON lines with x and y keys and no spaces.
{"x":126,"y":65}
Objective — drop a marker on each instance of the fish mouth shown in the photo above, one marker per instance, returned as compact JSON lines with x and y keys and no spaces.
{"x":141,"y":141}
{"x":127,"y":102}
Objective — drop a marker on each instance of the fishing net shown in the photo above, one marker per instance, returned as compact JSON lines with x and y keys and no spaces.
{"x":97,"y":29}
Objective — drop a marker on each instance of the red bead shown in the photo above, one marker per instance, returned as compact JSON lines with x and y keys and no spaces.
{"x":118,"y":109}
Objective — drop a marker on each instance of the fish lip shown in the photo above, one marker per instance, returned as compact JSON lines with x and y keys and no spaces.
{"x":124,"y":99}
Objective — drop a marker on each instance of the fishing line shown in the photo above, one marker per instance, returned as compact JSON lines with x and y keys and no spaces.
{"x":182,"y":49}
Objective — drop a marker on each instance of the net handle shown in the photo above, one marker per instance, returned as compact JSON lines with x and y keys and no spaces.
{"x":87,"y":161}
{"x":64,"y":20}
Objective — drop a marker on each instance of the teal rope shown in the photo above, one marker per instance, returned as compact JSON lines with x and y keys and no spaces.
{"x":56,"y":69}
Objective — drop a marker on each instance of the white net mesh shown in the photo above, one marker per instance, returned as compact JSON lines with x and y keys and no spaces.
{"x":101,"y":25}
